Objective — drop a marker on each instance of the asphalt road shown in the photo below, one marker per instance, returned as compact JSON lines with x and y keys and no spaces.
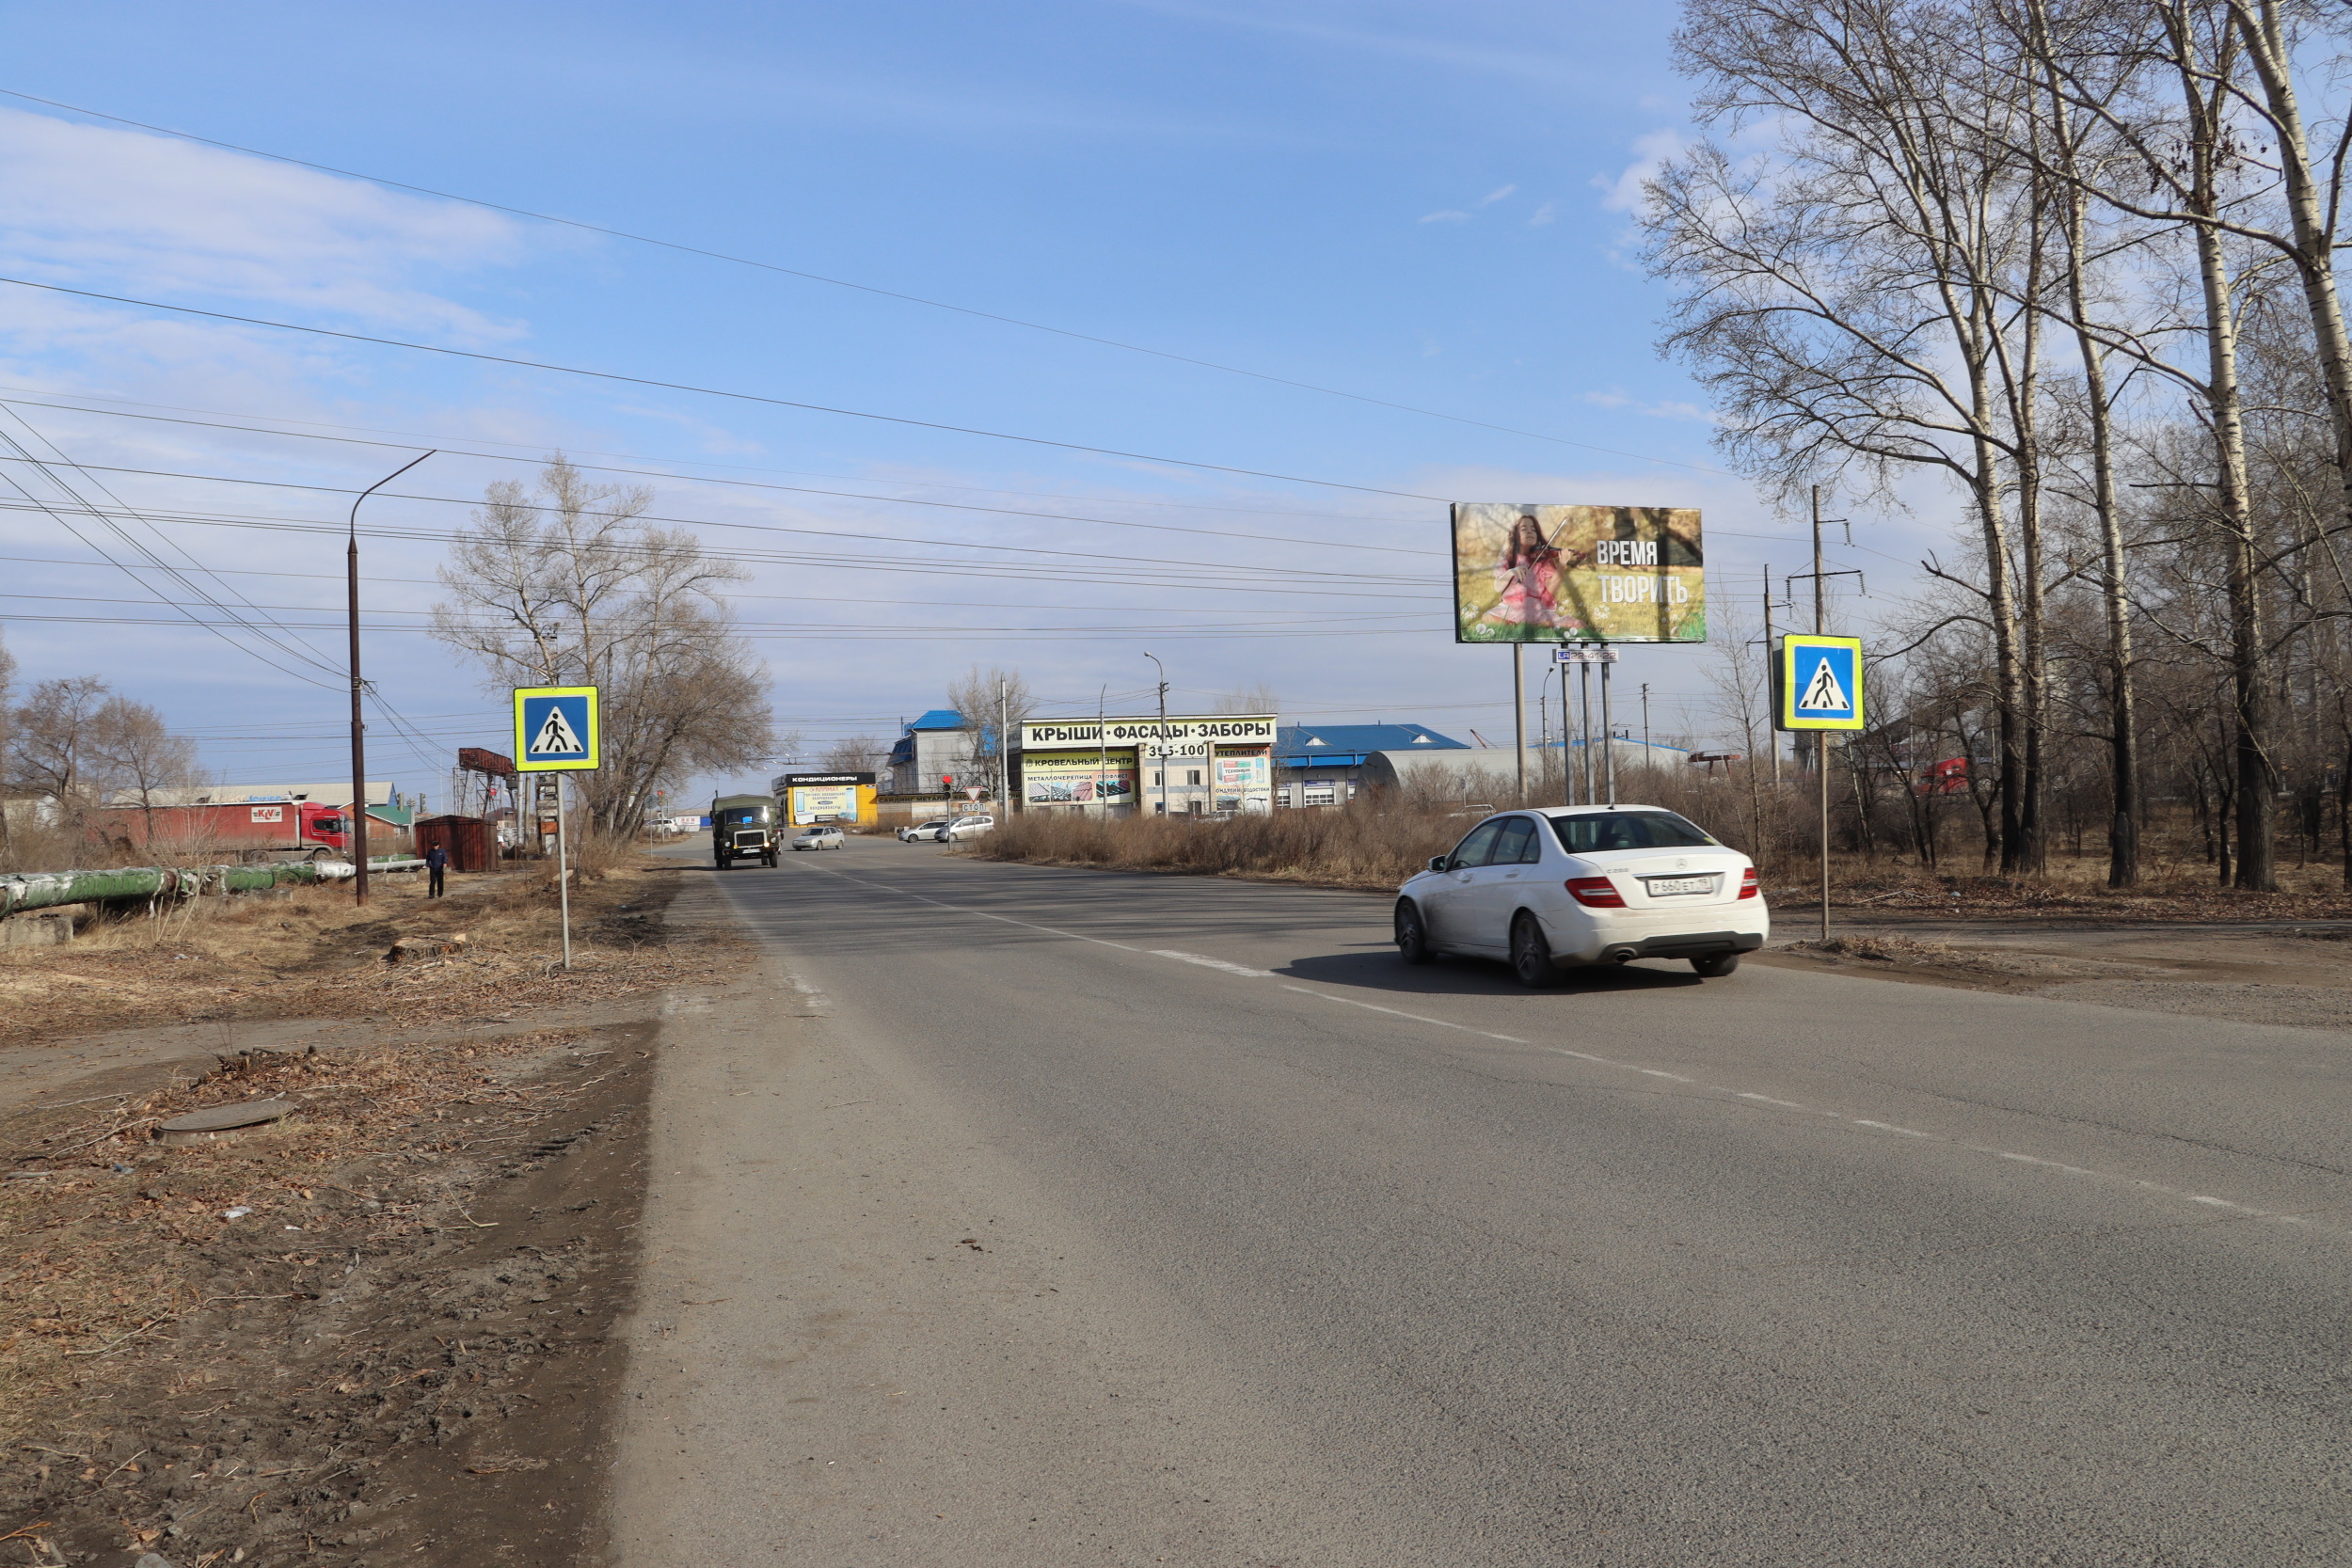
{"x":1038,"y":1216}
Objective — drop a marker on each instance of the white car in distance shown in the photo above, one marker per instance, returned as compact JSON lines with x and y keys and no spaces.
{"x":924,"y":833}
{"x":969,"y":827}
{"x":1549,"y":889}
{"x":824,"y":836}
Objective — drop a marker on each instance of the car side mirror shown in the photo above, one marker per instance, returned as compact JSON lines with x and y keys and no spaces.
{"x":1438,"y":862}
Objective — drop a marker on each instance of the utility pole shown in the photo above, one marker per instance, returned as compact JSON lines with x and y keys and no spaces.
{"x":1160,"y":742}
{"x":1003,"y":752}
{"x":1646,"y":757}
{"x":1568,"y":734}
{"x":1103,"y":746}
{"x":1769,"y":656}
{"x":1518,"y":711}
{"x":358,"y":824}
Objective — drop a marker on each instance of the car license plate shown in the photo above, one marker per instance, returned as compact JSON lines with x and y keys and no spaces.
{"x":1667,"y":887}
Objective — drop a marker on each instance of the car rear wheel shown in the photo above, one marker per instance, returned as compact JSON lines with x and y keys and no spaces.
{"x":1531,"y":955}
{"x":1715,"y":965}
{"x":1412,"y":937}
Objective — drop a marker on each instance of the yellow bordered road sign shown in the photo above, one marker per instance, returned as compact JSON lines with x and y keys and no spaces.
{"x":1817,"y":683}
{"x":556,"y":729}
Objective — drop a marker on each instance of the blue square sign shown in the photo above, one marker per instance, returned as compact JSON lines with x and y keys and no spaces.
{"x":1818,"y":683}
{"x":556,"y":729}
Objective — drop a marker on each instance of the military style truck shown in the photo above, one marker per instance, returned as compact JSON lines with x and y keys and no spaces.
{"x":742,"y":828}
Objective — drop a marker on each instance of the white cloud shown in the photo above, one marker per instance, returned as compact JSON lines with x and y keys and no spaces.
{"x":1494,"y":195}
{"x":1548,"y":213}
{"x":1623,"y":192}
{"x":1448,"y":215}
{"x":106,"y":208}
{"x":1606,"y":400}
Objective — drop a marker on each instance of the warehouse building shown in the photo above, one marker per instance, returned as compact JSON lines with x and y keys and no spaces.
{"x":1326,"y":765}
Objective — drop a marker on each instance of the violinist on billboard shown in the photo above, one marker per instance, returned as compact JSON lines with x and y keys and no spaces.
{"x":1527,"y":580}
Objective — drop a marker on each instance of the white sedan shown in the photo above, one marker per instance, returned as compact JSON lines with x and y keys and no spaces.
{"x":968,"y":827}
{"x":1553,"y":889}
{"x":925,"y":832}
{"x":824,"y":836}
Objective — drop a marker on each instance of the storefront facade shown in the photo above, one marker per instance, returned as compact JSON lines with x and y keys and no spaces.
{"x":1215,"y":765}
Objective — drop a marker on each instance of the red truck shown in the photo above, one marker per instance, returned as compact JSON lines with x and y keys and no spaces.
{"x":247,"y":831}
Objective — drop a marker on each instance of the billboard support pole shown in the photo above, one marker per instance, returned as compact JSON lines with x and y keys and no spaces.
{"x":1518,"y":711}
{"x":1608,"y":740}
{"x":1584,"y":743}
{"x":1567,"y":732}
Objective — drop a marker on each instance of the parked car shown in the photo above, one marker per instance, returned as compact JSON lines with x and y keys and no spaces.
{"x":1549,"y":890}
{"x":924,"y":833}
{"x":968,"y":827}
{"x":824,"y":836}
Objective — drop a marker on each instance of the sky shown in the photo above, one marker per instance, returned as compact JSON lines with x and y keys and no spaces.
{"x":1216,"y":244}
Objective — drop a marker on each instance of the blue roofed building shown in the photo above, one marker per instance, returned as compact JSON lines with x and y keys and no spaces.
{"x":1324,"y":765}
{"x":939,"y":746}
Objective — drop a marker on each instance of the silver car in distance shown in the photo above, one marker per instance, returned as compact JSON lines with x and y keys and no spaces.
{"x":1552,"y":889}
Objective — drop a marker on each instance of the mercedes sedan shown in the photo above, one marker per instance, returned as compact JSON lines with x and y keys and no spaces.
{"x":1549,"y":890}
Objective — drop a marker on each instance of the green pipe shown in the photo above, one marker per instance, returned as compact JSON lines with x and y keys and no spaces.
{"x":44,"y":890}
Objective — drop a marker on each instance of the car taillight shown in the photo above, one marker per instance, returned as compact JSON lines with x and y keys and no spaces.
{"x":1747,"y":883}
{"x":1598,"y":891}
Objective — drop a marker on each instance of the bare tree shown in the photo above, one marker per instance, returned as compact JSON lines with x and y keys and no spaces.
{"x":986,"y":700}
{"x":1255,"y":699}
{"x":572,"y":589}
{"x":51,"y":752}
{"x":136,"y":756}
{"x":858,"y":753}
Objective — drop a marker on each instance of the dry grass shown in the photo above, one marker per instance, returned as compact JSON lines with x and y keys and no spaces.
{"x":311,"y":953}
{"x":1359,"y":846}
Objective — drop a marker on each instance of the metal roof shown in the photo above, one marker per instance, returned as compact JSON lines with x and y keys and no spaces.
{"x":1345,"y":745}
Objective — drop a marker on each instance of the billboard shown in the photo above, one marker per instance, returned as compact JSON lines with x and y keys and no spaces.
{"x":1576,"y":574}
{"x":1078,"y":778}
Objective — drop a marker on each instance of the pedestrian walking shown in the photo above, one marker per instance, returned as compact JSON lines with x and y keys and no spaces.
{"x":435,"y":862}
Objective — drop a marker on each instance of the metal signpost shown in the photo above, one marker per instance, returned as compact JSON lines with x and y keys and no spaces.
{"x":1817,"y":685}
{"x":1599,"y":781}
{"x":557,"y":731}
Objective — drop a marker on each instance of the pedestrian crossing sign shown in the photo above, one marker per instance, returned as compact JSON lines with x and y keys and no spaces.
{"x":1817,"y":683}
{"x":556,"y":729}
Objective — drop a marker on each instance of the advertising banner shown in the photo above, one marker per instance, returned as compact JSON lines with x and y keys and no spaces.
{"x":822,"y":803}
{"x":1243,"y":784}
{"x":1576,"y":574}
{"x":1077,"y":779}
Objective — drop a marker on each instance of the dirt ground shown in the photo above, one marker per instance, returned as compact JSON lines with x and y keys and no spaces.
{"x":381,"y":1330}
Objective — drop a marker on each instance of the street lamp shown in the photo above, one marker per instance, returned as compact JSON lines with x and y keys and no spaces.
{"x":358,"y":827}
{"x":1162,"y":737}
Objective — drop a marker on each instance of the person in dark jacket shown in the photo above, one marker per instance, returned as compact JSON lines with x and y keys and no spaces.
{"x":435,"y":862}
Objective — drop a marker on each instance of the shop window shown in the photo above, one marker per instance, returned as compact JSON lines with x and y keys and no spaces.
{"x":1193,"y":778}
{"x":1157,"y":779}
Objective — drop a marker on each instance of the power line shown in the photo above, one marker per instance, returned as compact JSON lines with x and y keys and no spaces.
{"x":863,"y":288}
{"x":715,"y":391}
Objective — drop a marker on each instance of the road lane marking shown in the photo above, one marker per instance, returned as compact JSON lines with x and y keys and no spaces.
{"x":1207,"y":963}
{"x":1240,"y":970}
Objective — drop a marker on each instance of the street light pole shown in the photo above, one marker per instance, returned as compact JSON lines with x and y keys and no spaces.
{"x":358,"y":821}
{"x":1161,"y":740}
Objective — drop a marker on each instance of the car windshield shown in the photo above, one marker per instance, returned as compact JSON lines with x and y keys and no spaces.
{"x":941,"y":822}
{"x":743,"y":814}
{"x":1628,"y":830}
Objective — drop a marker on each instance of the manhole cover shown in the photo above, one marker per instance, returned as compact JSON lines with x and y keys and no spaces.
{"x":224,"y":1121}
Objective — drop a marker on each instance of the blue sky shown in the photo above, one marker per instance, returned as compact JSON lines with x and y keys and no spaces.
{"x":1419,"y":204}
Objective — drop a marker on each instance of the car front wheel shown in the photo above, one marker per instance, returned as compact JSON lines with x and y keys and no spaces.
{"x":1412,"y":937}
{"x":1531,"y":955}
{"x":1715,"y":965}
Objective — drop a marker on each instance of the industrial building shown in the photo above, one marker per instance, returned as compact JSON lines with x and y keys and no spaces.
{"x":937,"y":747}
{"x":1193,"y":766}
{"x":1326,"y":765}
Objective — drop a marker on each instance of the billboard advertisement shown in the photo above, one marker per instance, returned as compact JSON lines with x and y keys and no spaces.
{"x":1576,"y":574}
{"x":1077,"y":779}
{"x":1243,"y":784}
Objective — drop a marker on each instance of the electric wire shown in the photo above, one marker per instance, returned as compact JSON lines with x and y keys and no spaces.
{"x":861,"y":288}
{"x":760,"y":397}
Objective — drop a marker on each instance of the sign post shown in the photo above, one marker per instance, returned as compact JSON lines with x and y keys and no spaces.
{"x":557,"y":730}
{"x":1817,"y":685}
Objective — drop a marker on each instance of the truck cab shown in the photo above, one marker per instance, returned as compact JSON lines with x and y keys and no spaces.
{"x":743,"y":827}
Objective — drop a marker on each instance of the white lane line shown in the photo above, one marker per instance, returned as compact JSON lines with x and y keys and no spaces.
{"x":1207,"y":963}
{"x":1416,"y":1018}
{"x":1890,"y":1127}
{"x":1585,"y":1056}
